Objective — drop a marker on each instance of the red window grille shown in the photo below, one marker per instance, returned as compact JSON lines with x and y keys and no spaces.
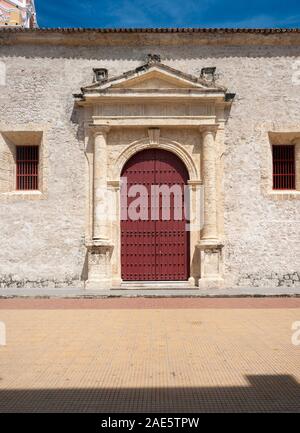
{"x":27,"y":167}
{"x":283,"y":166}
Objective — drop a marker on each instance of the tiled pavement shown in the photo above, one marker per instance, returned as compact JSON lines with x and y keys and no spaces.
{"x":164,"y":355}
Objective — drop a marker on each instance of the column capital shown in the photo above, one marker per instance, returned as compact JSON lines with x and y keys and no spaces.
{"x":115,"y":184}
{"x":213,"y":244}
{"x":207,"y":130}
{"x":96,"y":130}
{"x":196,"y":182}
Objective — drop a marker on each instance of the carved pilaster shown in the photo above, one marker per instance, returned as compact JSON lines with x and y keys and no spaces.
{"x":209,"y":181}
{"x":99,"y":266}
{"x":210,"y":248}
{"x":100,"y":182}
{"x":211,"y":265}
{"x":99,"y":249}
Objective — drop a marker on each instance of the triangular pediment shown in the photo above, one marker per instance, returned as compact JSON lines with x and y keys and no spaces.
{"x":155,"y":79}
{"x":149,"y":80}
{"x":152,"y":77}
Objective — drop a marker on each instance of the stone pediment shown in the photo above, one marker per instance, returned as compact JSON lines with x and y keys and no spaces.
{"x":151,"y":78}
{"x":159,"y":77}
{"x":154,"y":79}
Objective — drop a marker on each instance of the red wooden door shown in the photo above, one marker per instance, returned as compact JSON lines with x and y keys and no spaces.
{"x":154,"y":240}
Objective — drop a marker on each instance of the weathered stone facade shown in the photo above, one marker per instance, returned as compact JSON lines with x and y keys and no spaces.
{"x":51,"y":238}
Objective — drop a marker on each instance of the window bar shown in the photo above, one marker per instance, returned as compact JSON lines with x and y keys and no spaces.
{"x":27,"y":167}
{"x":283,"y":167}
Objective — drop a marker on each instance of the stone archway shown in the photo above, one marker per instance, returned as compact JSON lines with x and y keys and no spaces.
{"x":161,"y":143}
{"x":153,"y":97}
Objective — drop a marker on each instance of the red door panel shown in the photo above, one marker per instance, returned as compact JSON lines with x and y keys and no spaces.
{"x":155,"y":247}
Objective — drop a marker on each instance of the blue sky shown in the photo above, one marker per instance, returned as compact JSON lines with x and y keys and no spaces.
{"x":168,"y":13}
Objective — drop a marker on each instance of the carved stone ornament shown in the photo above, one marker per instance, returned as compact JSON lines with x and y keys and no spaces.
{"x":153,"y":58}
{"x":154,"y":134}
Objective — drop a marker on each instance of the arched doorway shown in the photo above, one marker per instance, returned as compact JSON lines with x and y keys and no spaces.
{"x":154,"y":239}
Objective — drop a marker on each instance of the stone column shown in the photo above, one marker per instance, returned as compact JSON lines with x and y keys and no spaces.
{"x":99,"y":247}
{"x":100,"y":184}
{"x":209,"y":231}
{"x":209,"y":245}
{"x":115,"y":227}
{"x":195,"y":218}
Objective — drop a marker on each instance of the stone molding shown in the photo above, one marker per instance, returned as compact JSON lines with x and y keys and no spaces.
{"x":150,"y":37}
{"x":99,"y":130}
{"x":164,"y":143}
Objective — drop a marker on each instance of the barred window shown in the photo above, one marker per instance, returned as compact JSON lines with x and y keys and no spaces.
{"x":27,"y":159}
{"x":283,"y":166}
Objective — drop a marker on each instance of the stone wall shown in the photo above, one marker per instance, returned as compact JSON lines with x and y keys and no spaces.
{"x":42,"y":238}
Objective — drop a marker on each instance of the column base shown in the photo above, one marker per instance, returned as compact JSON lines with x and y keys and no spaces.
{"x":192,"y":282}
{"x":211,"y":264}
{"x":99,"y":265}
{"x":116,"y":282}
{"x":210,"y":283}
{"x":98,"y":285}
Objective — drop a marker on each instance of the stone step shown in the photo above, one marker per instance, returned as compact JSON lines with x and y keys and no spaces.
{"x":155,"y":285}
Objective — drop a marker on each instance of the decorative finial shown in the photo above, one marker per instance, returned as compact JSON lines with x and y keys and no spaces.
{"x":153,"y":58}
{"x":229,"y":97}
{"x":100,"y":74}
{"x":208,"y":73}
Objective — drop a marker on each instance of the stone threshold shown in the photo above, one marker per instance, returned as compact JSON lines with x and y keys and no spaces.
{"x":155,"y":285}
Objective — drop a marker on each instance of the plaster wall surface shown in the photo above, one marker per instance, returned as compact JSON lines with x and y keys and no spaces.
{"x":42,"y":237}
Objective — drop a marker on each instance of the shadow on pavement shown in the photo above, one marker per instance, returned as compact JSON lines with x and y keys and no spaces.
{"x":276,"y":393}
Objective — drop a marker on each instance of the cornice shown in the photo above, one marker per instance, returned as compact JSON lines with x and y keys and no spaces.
{"x":147,"y":36}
